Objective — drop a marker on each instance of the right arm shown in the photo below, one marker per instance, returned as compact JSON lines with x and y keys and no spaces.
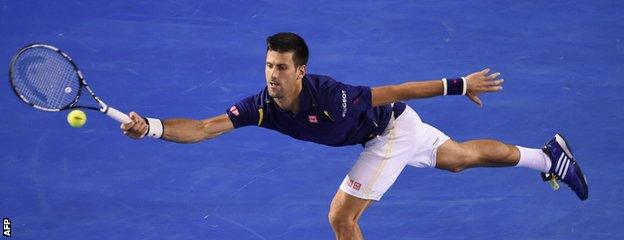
{"x":181,"y":130}
{"x":477,"y":83}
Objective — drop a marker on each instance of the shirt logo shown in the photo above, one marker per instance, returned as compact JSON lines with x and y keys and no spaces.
{"x":234,"y":111}
{"x":312,"y":119}
{"x":344,"y":103}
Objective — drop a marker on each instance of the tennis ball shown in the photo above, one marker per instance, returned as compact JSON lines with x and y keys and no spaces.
{"x":76,"y":118}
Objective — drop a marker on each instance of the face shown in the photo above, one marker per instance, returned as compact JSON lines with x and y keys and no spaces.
{"x":283,"y":78}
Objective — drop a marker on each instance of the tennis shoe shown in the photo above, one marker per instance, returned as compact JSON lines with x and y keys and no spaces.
{"x":564,"y":167}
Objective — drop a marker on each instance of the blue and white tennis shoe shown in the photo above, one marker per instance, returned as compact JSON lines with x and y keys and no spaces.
{"x":564,"y":167}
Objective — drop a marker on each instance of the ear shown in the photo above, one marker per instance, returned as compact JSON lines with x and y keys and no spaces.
{"x":301,"y":71}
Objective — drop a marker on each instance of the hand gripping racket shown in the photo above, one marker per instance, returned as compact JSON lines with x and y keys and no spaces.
{"x":47,"y":79}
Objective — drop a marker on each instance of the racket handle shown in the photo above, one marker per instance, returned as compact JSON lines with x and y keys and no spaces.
{"x":117,"y":115}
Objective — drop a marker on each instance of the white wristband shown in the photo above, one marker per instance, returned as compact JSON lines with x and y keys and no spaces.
{"x":155,"y":129}
{"x":465,"y":86}
{"x":445,"y":86}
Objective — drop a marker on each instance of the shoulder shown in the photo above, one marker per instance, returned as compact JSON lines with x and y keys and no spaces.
{"x":249,"y":110}
{"x":258,"y":100}
{"x":321,"y":83}
{"x":319,"y":78}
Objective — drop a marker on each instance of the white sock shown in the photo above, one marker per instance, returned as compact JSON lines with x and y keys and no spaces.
{"x":534,"y":159}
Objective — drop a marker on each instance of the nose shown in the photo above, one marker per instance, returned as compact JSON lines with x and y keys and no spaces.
{"x":273,"y":74}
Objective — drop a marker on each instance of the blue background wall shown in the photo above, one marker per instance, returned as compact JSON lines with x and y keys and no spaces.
{"x":562,"y":62}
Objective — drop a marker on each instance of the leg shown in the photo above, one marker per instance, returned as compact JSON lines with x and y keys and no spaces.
{"x":344,"y":213}
{"x":456,"y":157}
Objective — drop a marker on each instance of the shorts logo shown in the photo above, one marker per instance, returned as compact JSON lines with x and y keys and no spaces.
{"x":6,"y":227}
{"x":355,"y":185}
{"x":234,"y":111}
{"x":312,"y":119}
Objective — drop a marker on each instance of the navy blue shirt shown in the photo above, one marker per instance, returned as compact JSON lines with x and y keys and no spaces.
{"x":330,"y":113}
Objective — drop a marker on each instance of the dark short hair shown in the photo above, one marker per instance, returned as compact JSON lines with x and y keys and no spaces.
{"x":289,"y":42}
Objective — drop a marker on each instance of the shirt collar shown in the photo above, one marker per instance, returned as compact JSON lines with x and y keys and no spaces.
{"x":306,"y":101}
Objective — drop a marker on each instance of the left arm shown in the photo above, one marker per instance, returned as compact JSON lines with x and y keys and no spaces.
{"x":477,"y":83}
{"x":384,"y":95}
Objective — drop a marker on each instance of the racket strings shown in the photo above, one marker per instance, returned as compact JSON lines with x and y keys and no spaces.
{"x":45,"y":78}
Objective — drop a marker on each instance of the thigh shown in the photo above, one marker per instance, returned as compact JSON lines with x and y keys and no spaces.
{"x":448,"y":154}
{"x":453,"y":156}
{"x":376,"y":169}
{"x":419,"y":139}
{"x":406,"y":141}
{"x":426,"y":142}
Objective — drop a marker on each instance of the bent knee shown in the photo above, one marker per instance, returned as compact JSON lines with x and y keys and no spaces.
{"x":457,"y":159}
{"x":456,"y":168}
{"x":338,"y":220}
{"x":463,"y":162}
{"x":460,"y":164}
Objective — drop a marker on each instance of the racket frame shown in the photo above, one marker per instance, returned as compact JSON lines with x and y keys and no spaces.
{"x":104,"y":108}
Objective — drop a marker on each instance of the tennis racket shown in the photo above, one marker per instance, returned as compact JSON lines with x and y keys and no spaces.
{"x":47,"y":79}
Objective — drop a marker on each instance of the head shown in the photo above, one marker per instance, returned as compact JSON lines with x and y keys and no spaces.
{"x":286,"y":59}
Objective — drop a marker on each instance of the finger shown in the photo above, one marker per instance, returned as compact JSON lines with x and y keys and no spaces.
{"x":139,"y":124}
{"x":493,"y":76}
{"x":494,"y":89}
{"x":138,"y":127}
{"x":126,"y":126}
{"x":135,"y":117}
{"x":133,"y":135}
{"x":494,"y":83}
{"x":144,"y":130}
{"x":485,"y":71}
{"x":476,"y":100}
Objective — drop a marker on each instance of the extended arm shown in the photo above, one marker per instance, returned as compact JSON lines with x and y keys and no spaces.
{"x":476,"y":83}
{"x":181,"y":130}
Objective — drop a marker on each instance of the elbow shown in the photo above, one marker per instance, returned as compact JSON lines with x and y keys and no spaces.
{"x":190,"y":133}
{"x":193,"y":131}
{"x":193,"y":140}
{"x":206,"y":132}
{"x":386,"y":95}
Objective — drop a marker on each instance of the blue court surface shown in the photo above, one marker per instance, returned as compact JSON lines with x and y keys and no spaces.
{"x":563,"y":62}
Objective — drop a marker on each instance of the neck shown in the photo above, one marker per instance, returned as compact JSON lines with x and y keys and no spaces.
{"x":291,"y":102}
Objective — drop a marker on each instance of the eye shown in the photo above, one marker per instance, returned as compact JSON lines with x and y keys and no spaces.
{"x":269,"y":66}
{"x":283,"y":67}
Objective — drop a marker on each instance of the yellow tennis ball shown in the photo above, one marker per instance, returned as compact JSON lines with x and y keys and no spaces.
{"x":76,"y":118}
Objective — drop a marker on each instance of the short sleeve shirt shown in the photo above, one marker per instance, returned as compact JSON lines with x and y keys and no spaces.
{"x":330,"y":113}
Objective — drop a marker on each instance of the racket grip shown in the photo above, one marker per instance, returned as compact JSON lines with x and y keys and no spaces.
{"x":117,"y":115}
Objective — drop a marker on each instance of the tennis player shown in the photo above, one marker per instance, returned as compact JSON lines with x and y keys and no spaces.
{"x":319,"y":109}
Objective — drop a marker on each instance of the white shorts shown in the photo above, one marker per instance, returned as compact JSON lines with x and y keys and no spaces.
{"x":406,"y":141}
